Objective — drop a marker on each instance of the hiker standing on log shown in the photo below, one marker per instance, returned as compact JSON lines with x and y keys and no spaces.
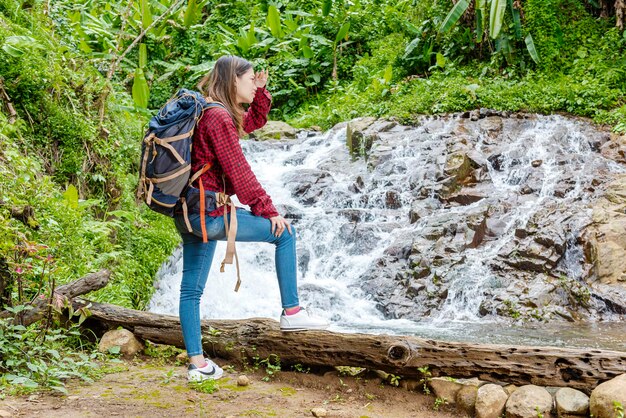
{"x":223,"y":170}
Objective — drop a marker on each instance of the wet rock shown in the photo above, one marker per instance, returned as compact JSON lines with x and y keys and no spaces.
{"x":466,"y":197}
{"x":392,"y":200}
{"x":605,"y":241}
{"x":490,"y":401}
{"x":571,"y":402}
{"x":615,"y":148}
{"x":458,"y":166}
{"x":357,"y":140}
{"x":612,"y":296}
{"x":537,"y":163}
{"x":308,"y":185}
{"x":529,"y":401}
{"x":422,"y":208}
{"x":491,"y":124}
{"x":274,"y":129}
{"x":604,"y":396}
{"x":123,"y":338}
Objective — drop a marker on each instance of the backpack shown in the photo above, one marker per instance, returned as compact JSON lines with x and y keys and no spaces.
{"x":165,"y":168}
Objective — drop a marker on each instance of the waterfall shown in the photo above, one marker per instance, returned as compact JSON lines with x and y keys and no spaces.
{"x":350,"y":212}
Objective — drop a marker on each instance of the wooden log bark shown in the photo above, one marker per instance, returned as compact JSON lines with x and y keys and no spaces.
{"x":90,"y":282}
{"x":401,"y":355}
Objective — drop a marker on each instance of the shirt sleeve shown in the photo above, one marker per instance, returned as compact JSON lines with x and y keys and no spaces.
{"x":256,"y":116}
{"x":234,"y":165}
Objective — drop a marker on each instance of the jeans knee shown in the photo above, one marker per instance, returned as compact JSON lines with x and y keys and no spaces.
{"x":191,"y":293}
{"x":287,"y":237}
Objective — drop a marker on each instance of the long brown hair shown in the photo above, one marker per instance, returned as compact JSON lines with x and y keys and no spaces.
{"x":219,"y":86}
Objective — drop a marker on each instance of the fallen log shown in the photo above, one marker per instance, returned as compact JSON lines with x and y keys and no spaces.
{"x":89,"y":283}
{"x":400,"y":355}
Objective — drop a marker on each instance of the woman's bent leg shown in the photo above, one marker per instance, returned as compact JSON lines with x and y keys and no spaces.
{"x":258,"y":229}
{"x":197,"y":258}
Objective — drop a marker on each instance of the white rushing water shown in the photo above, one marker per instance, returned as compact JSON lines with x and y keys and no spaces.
{"x":329,"y":282}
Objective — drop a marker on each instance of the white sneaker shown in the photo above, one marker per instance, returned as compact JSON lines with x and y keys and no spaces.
{"x":210,"y":371}
{"x":301,"y":321}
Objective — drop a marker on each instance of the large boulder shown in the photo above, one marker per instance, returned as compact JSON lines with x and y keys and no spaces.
{"x":466,"y":398}
{"x":571,"y":402}
{"x":529,"y":401}
{"x":445,"y":388}
{"x":607,"y":397}
{"x":490,"y":401}
{"x":605,"y":241}
{"x":123,"y":338}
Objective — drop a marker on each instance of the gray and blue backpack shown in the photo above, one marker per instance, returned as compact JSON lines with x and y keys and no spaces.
{"x":165,"y":171}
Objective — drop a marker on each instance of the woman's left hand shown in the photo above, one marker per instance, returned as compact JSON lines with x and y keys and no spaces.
{"x":260,"y":78}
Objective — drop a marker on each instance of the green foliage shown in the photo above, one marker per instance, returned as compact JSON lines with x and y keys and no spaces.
{"x":426,"y":377}
{"x":271,"y":364}
{"x":618,"y":408}
{"x":439,"y":402}
{"x":205,"y":386}
{"x":32,"y":360}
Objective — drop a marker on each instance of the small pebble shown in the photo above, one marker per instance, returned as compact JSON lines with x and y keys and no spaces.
{"x":318,"y":412}
{"x":243,"y":380}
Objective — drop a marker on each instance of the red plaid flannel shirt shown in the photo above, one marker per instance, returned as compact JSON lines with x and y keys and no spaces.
{"x":216,"y":142}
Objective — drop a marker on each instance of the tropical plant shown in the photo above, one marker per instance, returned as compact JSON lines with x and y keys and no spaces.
{"x":494,"y":30}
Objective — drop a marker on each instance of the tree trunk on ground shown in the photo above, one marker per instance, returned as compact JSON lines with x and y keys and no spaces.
{"x":90,"y":282}
{"x":400,"y":355}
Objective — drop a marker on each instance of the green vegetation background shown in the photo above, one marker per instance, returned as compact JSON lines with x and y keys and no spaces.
{"x":79,"y":175}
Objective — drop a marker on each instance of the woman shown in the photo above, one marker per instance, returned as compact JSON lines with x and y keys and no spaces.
{"x":231,"y":83}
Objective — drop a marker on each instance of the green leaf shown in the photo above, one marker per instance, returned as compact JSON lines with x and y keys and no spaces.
{"x":530,"y":45}
{"x":191,"y":13}
{"x":326,"y":5}
{"x":411,"y":47}
{"x":54,"y":353}
{"x":481,"y":18}
{"x":242,"y":43}
{"x":71,"y":196}
{"x":251,"y":38}
{"x":141,"y":91}
{"x":291,"y":24}
{"x":480,"y":28}
{"x":273,"y":22}
{"x":143,"y":55}
{"x":343,"y":31}
{"x":146,"y":14}
{"x":388,"y":75}
{"x":307,"y":52}
{"x":441,"y":60}
{"x":496,"y":17}
{"x":16,"y":46}
{"x":115,"y":349}
{"x":454,"y":15}
{"x":517,"y":24}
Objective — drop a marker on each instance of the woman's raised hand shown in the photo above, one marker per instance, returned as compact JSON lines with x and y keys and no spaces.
{"x":278,"y":225}
{"x":260,"y":78}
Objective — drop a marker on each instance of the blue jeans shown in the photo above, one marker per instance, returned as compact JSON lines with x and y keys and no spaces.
{"x":198,"y":256}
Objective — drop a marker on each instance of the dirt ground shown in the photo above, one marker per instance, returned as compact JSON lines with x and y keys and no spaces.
{"x":156,"y":388}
